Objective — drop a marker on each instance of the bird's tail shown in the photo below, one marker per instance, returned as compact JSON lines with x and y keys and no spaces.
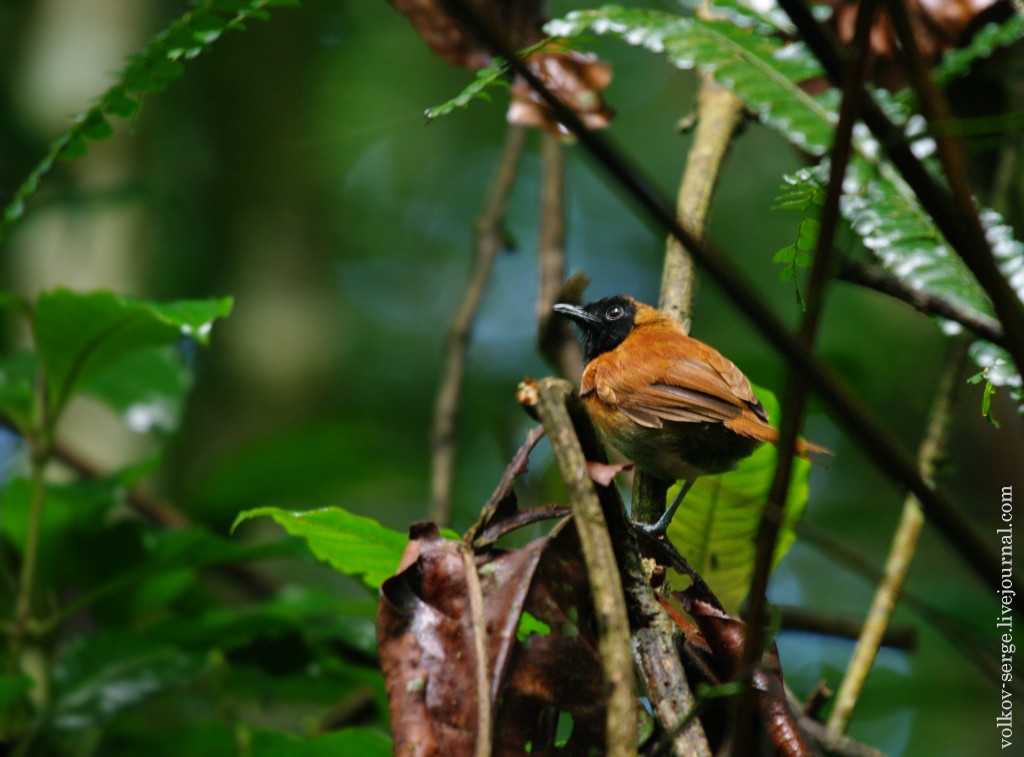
{"x":755,"y":428}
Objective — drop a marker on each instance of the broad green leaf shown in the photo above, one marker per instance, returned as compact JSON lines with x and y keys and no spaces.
{"x":761,"y":69}
{"x":717,"y":522}
{"x":147,"y":389}
{"x":18,"y":374}
{"x":492,"y":75}
{"x":12,"y":688}
{"x":150,"y":71}
{"x":364,"y":742}
{"x":79,"y":336}
{"x":352,"y":544}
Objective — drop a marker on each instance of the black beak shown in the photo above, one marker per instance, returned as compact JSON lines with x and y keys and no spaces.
{"x":576,"y":313}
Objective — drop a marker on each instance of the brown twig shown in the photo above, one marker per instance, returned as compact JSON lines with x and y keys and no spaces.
{"x":835,"y":745}
{"x":654,"y":635}
{"x":554,"y":335}
{"x":851,"y":414}
{"x":904,"y":543}
{"x":165,"y":514}
{"x":842,"y":626}
{"x":797,"y":388}
{"x":150,"y":507}
{"x":873,"y":277}
{"x":484,"y":700}
{"x":595,"y":543}
{"x":488,"y":241}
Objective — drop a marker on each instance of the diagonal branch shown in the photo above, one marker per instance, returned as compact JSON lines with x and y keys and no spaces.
{"x":489,"y":240}
{"x":863,"y":427}
{"x":554,"y":335}
{"x":654,"y":635}
{"x":873,"y":277}
{"x":954,"y":213}
{"x":609,"y":601}
{"x":797,"y":389}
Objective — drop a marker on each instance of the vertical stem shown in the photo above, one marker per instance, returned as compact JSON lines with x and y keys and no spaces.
{"x":488,"y":242}
{"x":554,"y":335}
{"x":719,"y":113}
{"x":30,"y":559}
{"x":904,"y":542}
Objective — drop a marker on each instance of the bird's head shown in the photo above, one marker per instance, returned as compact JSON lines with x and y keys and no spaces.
{"x":603,"y":324}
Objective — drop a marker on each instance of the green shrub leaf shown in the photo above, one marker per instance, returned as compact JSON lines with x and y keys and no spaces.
{"x":352,"y":544}
{"x":150,"y":71}
{"x":79,"y":336}
{"x":761,"y":69}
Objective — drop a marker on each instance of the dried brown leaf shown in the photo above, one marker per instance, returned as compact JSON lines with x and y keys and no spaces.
{"x":576,"y":78}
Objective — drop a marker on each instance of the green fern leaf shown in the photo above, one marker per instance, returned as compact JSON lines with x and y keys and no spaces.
{"x":762,"y":70}
{"x":957,"y":63}
{"x":151,"y":71}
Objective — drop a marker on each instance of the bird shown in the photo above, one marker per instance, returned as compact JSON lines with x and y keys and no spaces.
{"x":672,"y":404}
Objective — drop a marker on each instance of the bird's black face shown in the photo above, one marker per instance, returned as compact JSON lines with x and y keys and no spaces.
{"x":602,"y":325}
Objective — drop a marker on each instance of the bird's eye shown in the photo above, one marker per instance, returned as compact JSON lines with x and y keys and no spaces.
{"x":614,"y":313}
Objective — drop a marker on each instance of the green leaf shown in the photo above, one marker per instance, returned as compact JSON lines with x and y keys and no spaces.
{"x":986,"y":41}
{"x":151,"y":70}
{"x":492,"y":75}
{"x":761,"y":69}
{"x":79,"y":336}
{"x":352,"y":544}
{"x":887,"y":218}
{"x":147,"y":389}
{"x":364,"y":742}
{"x":717,"y":522}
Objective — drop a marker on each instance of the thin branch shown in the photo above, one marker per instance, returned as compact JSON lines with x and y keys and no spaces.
{"x":842,"y":626}
{"x":484,"y":721}
{"x":554,"y":335}
{"x":954,"y":214}
{"x":873,"y":277}
{"x":165,"y":514}
{"x":719,"y":114}
{"x":150,"y":507}
{"x":595,"y":543}
{"x":903,"y":545}
{"x":489,"y":240}
{"x":797,"y":389}
{"x":849,"y":412}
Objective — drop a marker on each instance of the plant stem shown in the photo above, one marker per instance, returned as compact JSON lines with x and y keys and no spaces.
{"x":30,"y":559}
{"x":488,"y":242}
{"x":903,"y":544}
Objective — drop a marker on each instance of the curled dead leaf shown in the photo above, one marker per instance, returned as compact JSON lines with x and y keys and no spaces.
{"x":576,"y":78}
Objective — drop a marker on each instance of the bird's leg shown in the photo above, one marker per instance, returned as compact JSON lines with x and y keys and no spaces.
{"x":659,"y":528}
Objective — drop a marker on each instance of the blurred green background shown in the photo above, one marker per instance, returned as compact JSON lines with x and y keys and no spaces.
{"x":292,"y":169}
